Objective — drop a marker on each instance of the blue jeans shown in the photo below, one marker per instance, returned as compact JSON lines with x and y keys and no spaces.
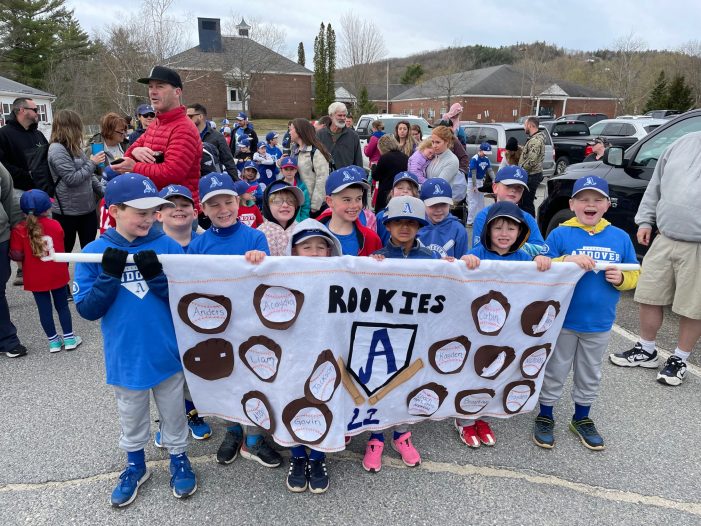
{"x":46,"y":314}
{"x":8,"y":332}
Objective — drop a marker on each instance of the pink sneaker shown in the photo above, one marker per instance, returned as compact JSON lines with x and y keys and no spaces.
{"x":468,"y":435}
{"x":348,"y":439}
{"x":485,"y":433}
{"x":406,"y":449}
{"x":372,"y":461}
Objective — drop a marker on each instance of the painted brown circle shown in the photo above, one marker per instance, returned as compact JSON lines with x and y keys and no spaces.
{"x":532,"y":361}
{"x":426,"y":400}
{"x":262,"y":357}
{"x":211,"y":359}
{"x":324,"y":379}
{"x":307,"y":423}
{"x":538,"y":317}
{"x":517,"y":394}
{"x":490,"y":312}
{"x":491,"y":360}
{"x":257,"y":408}
{"x":205,"y":313}
{"x":449,"y":361}
{"x":472,"y":401}
{"x":274,"y":300}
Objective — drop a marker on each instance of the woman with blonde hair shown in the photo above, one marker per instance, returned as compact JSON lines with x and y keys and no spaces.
{"x":392,"y":161}
{"x":445,"y":164}
{"x":73,"y":173}
{"x":402,"y":132}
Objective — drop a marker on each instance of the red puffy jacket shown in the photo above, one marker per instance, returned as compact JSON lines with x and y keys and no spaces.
{"x":368,"y":241}
{"x":177,"y":137}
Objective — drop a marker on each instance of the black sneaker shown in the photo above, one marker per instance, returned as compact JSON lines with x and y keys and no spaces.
{"x":19,"y":350}
{"x":543,"y":432}
{"x":297,"y":475}
{"x":673,"y":371}
{"x":262,"y":453}
{"x":587,"y":433}
{"x":19,"y":278}
{"x":635,"y":357}
{"x":318,"y":477}
{"x":229,"y":447}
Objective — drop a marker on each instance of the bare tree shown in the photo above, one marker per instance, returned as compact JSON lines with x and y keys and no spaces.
{"x":165,"y":33}
{"x":691,"y":67}
{"x":451,"y":78}
{"x":533,"y":65}
{"x":628,"y":63}
{"x":361,"y":45}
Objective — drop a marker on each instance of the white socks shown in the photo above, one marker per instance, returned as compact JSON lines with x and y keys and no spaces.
{"x":681,"y":354}
{"x":648,"y":346}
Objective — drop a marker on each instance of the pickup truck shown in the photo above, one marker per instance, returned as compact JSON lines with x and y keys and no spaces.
{"x":570,"y":141}
{"x":627,"y":172}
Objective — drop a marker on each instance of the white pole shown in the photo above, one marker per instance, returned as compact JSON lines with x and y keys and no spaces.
{"x":387,"y":77}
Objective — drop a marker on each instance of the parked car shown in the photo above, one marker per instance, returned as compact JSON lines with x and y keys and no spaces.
{"x":633,"y":129}
{"x":588,"y":118}
{"x":627,"y":172}
{"x":390,"y":120}
{"x":497,"y":135}
{"x":569,"y":142}
{"x":661,"y":114}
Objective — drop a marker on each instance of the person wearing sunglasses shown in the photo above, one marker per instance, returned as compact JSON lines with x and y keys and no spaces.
{"x":146,"y":114}
{"x":113,"y":129}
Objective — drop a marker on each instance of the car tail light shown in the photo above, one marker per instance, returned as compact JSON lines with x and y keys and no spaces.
{"x":500,"y":154}
{"x":588,"y":150}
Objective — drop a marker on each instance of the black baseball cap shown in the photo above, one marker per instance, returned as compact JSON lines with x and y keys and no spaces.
{"x":163,"y":74}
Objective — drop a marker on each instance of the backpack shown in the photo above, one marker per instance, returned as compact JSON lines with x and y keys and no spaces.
{"x":210,"y":159}
{"x":38,"y":164}
{"x":332,"y":164}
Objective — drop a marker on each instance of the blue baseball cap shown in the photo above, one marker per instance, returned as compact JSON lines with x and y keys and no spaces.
{"x":339,"y":180}
{"x":406,"y":176}
{"x":512,"y":175}
{"x":244,"y":187}
{"x":486,"y":147}
{"x":435,"y":191}
{"x":133,"y":190}
{"x":216,"y":183}
{"x":225,"y":121}
{"x":288,"y":162}
{"x":270,"y":136}
{"x":108,"y":173}
{"x":173,"y":190}
{"x":250,"y":164}
{"x":244,"y":141}
{"x":144,"y":109}
{"x":591,"y":182}
{"x":34,"y":202}
{"x":262,"y":144}
{"x":241,"y":116}
{"x":406,"y":207}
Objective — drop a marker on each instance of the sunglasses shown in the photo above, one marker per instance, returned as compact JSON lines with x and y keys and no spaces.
{"x":35,"y":110}
{"x":190,"y":116}
{"x":148,"y":115}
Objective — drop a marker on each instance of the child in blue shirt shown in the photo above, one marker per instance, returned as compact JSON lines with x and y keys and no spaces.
{"x":228,"y":236}
{"x":265,"y":163}
{"x":272,"y":149}
{"x":584,"y":240}
{"x":444,"y":233}
{"x":405,"y":183}
{"x":479,"y":167}
{"x":249,"y":173}
{"x":509,"y":185}
{"x":141,"y":352}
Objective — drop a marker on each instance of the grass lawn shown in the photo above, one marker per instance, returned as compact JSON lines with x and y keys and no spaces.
{"x":263,"y":126}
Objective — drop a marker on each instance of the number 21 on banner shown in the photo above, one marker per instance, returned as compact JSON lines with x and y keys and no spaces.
{"x":367,"y":421}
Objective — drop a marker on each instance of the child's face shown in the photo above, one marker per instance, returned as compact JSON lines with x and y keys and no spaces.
{"x":282,"y":206}
{"x":589,"y":206}
{"x":437,"y":213}
{"x":404,"y":188}
{"x":249,"y":174}
{"x":273,"y":142}
{"x":346,"y":204}
{"x":133,"y":222}
{"x":312,"y":247}
{"x":503,"y":233}
{"x":510,"y":192}
{"x":482,"y":153}
{"x":221,"y":210}
{"x":262,"y":150}
{"x":402,"y":230}
{"x":180,"y":215}
{"x":428,"y":153}
{"x":289,"y":172}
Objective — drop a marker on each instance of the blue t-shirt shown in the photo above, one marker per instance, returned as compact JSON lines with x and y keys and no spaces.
{"x":235,"y":240}
{"x":534,"y":244}
{"x":593,"y":305}
{"x":349,"y":243}
{"x":480,"y":164}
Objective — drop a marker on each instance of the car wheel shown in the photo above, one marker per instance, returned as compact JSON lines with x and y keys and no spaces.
{"x":561,"y":164}
{"x":559,"y":217}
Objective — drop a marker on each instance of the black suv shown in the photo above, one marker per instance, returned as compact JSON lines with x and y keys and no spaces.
{"x":627,"y":173}
{"x":588,"y":118}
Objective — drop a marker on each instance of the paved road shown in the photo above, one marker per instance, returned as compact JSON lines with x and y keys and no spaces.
{"x":60,"y":459}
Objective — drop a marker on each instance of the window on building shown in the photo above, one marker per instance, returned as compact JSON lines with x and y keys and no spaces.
{"x":404,"y":112}
{"x":421,"y":112}
{"x":431,"y":113}
{"x":444,"y":110}
{"x":42,"y":112}
{"x":234,"y":95}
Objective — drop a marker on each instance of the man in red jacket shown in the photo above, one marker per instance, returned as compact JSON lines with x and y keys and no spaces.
{"x":170,"y":150}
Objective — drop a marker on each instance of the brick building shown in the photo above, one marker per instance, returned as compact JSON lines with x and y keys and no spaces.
{"x":229,"y":74}
{"x":500,"y":94}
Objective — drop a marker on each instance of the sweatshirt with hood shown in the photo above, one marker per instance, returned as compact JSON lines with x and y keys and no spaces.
{"x":515,"y":253}
{"x":16,"y":145}
{"x":417,"y":251}
{"x":278,"y":235}
{"x":313,"y":224}
{"x":534,"y":244}
{"x":447,"y":238}
{"x":139,"y":338}
{"x":593,"y":305}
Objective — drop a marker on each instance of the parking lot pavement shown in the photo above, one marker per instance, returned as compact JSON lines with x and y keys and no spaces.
{"x":60,"y":459}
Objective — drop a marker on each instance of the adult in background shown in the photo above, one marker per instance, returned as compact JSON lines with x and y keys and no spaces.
{"x":245,"y":128}
{"x":403,"y":136}
{"x":113,"y":129}
{"x":145,"y":113}
{"x":371,"y":150}
{"x":73,"y":172}
{"x":445,"y":163}
{"x":392,"y":161}
{"x":170,"y":150}
{"x":197,"y":113}
{"x":342,"y":142}
{"x":598,"y":147}
{"x":312,"y":161}
{"x":532,"y":161}
{"x":670,"y":272}
{"x":416,"y":133}
{"x":19,"y":140}
{"x":452,"y":120}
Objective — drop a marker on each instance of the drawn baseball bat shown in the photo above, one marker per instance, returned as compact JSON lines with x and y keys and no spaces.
{"x":348,"y":383}
{"x":398,"y":380}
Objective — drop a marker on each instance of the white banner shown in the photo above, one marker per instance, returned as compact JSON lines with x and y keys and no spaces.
{"x":312,"y":349}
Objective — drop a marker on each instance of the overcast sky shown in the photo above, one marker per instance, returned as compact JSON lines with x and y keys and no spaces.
{"x":412,"y":26}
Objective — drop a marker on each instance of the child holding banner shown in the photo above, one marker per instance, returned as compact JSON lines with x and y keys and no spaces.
{"x":228,"y":236}
{"x":405,"y":183}
{"x":506,"y":232}
{"x":144,"y":359}
{"x":312,"y":239}
{"x":444,"y":234}
{"x":587,"y":327}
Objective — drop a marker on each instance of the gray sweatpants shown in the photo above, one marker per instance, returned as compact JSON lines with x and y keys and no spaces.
{"x":135,"y":415}
{"x":584,"y":353}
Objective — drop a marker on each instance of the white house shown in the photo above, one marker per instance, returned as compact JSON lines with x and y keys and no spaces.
{"x":10,"y":90}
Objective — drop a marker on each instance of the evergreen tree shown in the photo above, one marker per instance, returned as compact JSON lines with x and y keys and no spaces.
{"x":658,"y":95}
{"x":330,"y":65}
{"x":364,"y":105}
{"x":680,"y":96}
{"x":301,"y":60}
{"x":320,"y":75}
{"x":412,"y":74}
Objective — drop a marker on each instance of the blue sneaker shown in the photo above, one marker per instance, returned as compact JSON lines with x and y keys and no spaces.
{"x":183,"y":480}
{"x":587,"y":433}
{"x":199,"y":429}
{"x":543,"y":432}
{"x":128,"y":486}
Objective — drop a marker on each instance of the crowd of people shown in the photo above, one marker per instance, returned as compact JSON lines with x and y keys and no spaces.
{"x":177,"y":184}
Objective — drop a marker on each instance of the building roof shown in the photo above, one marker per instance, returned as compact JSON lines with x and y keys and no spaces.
{"x":232,"y":47}
{"x":16,"y":88}
{"x":375,"y":91}
{"x":504,"y":80}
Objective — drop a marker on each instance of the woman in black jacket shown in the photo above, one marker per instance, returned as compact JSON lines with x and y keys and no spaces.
{"x":391,"y":162}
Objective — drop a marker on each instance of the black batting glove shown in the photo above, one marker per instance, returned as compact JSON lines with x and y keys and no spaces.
{"x":113,"y":262}
{"x":148,"y":264}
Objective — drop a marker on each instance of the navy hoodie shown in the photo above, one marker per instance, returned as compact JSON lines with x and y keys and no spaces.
{"x":447,"y":238}
{"x":139,"y":338}
{"x":516,"y":251}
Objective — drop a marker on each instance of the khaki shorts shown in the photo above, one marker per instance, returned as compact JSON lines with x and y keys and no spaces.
{"x":671,"y":275}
